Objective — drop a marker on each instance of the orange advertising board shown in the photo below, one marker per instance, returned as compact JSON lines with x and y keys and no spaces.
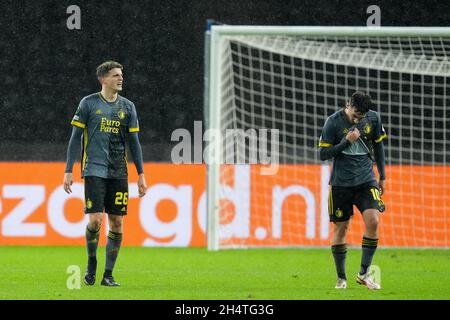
{"x":285,"y":209}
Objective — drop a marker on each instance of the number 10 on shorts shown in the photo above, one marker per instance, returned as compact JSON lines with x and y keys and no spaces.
{"x":376,"y":194}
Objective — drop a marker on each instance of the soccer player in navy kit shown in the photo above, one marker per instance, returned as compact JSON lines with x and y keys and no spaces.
{"x":106,"y":122}
{"x":353,"y":138}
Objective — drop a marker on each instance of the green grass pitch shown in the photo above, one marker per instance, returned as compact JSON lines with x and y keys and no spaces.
{"x":195,"y":273}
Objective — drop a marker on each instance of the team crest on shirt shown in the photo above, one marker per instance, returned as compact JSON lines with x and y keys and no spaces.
{"x":339,"y":213}
{"x":99,"y":111}
{"x":367,"y":128}
{"x":88,"y":203}
{"x":121,"y":114}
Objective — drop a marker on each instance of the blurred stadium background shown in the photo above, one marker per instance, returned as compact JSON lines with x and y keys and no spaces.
{"x":48,"y":68}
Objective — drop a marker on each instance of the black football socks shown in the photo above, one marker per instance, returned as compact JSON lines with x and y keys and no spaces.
{"x":92,"y":238}
{"x":112,"y":251}
{"x":369,"y":246}
{"x":339,"y":254}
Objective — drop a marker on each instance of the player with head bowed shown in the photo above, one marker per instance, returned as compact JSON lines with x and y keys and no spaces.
{"x":353,"y":138}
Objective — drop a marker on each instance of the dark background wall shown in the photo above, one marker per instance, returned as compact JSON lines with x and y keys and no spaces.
{"x":46,"y":68}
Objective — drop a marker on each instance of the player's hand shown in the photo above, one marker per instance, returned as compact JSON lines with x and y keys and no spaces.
{"x":353,"y":135}
{"x":68,"y":181}
{"x":142,"y":185}
{"x":382,"y":186}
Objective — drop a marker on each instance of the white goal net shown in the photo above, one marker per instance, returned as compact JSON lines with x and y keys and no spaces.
{"x":291,"y":79}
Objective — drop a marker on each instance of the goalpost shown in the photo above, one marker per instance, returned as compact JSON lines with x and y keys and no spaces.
{"x":287,"y":81}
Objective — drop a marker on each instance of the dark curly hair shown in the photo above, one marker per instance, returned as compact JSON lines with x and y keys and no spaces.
{"x":361,"y":102}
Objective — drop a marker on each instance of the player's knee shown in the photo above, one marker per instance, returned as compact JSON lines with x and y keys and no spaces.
{"x":115,"y":224}
{"x":372,"y":222}
{"x":95,"y":223}
{"x":341,"y":231}
{"x":339,"y":238}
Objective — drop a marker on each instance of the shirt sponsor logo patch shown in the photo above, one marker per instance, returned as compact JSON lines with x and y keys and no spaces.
{"x":109,"y":126}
